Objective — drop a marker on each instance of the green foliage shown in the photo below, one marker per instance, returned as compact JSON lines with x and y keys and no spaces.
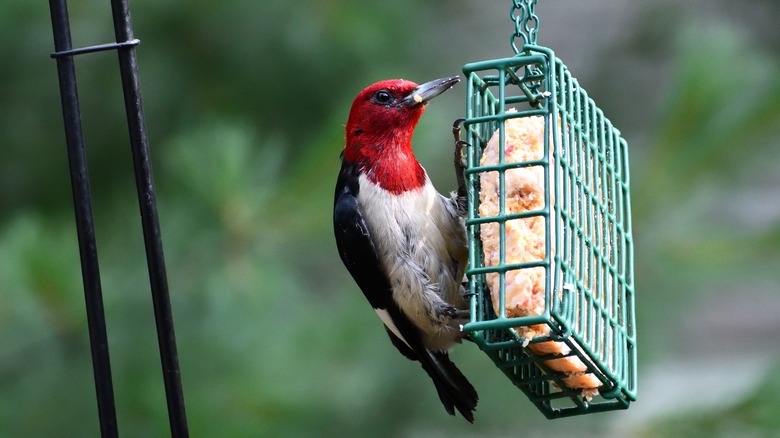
{"x":753,"y":416}
{"x":721,"y":115}
{"x":698,"y":200}
{"x":44,"y":359}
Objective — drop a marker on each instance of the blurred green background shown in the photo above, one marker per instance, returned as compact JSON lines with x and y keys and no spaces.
{"x":245,"y":103}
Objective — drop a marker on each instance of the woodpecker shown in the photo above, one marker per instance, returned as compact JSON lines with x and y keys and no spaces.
{"x":404,"y":243}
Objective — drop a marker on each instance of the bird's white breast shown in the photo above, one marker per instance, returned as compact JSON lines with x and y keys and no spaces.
{"x":418,"y":240}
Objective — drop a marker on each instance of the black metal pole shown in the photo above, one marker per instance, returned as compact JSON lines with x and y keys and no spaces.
{"x":85,"y":230}
{"x":139,"y":143}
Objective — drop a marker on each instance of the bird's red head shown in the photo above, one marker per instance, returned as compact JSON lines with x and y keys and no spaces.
{"x":380,"y":128}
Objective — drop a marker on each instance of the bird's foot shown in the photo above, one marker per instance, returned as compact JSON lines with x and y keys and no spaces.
{"x":461,"y":162}
{"x":460,"y":157}
{"x":446,"y":313}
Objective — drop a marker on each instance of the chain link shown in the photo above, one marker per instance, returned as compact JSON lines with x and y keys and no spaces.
{"x":526,"y":23}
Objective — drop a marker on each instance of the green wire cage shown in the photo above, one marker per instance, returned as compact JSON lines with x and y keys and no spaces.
{"x":586,"y":269}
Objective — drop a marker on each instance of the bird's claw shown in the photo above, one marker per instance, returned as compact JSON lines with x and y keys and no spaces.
{"x":447,"y":312}
{"x":456,"y":128}
{"x":463,"y":314}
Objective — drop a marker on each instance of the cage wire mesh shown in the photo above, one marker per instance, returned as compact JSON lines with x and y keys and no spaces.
{"x":586,"y":268}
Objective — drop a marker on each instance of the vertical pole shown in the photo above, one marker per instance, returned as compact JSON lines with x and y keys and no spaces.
{"x":139,"y":144}
{"x":85,"y":230}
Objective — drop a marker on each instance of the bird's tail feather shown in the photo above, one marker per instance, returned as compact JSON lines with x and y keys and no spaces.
{"x":455,"y":391}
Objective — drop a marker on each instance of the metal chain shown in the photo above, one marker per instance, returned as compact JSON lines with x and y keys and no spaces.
{"x":526,"y":23}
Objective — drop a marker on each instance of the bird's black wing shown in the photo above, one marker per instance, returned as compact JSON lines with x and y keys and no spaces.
{"x":359,"y":255}
{"x":354,"y":242}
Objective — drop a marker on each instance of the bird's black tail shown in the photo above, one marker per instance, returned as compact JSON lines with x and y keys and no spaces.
{"x":455,"y":391}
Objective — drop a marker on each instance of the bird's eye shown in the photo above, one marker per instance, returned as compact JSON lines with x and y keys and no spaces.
{"x":382,"y":96}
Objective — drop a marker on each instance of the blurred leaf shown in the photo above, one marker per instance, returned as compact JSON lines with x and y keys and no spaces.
{"x":723,"y":110}
{"x":753,"y":416}
{"x":44,"y":355}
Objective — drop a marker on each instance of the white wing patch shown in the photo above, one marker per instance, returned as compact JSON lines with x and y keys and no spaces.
{"x":385,"y":317}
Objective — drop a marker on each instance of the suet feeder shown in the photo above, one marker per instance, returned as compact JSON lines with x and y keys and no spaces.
{"x":585,"y":270}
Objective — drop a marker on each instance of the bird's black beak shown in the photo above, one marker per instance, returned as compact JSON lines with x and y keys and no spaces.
{"x":427,"y":91}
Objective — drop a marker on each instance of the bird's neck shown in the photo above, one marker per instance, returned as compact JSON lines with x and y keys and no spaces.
{"x":397,"y":174}
{"x":391,"y":165}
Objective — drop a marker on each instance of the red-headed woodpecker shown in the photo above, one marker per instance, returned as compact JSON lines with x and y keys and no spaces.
{"x":404,"y":243}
